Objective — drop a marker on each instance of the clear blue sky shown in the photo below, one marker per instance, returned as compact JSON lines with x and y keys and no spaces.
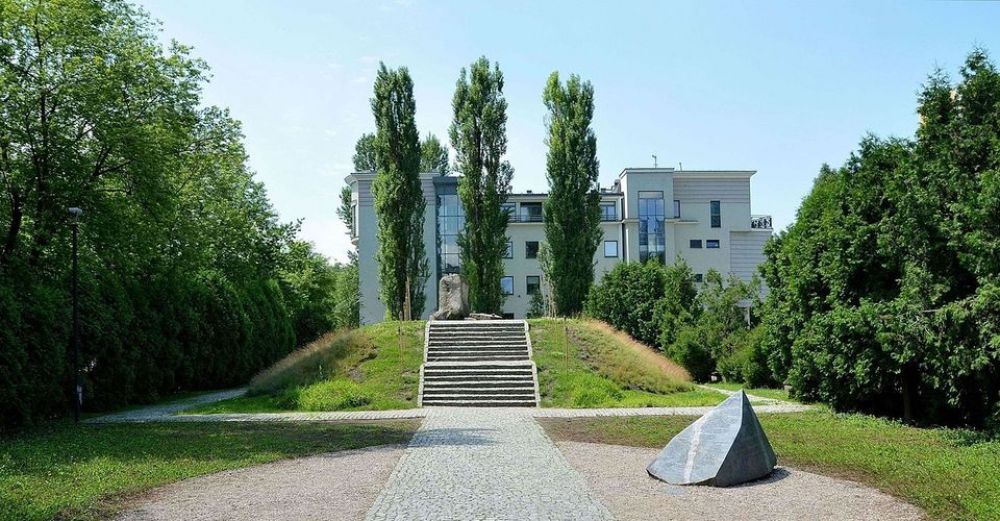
{"x":777,"y":87}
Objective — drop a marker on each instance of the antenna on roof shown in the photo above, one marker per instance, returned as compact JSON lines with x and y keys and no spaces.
{"x":654,"y":160}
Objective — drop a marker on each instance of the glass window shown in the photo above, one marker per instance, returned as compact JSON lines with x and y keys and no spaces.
{"x":609,"y":211}
{"x":530,"y":213}
{"x":677,"y":209}
{"x":698,"y":277}
{"x":534,"y":284}
{"x":450,"y":221}
{"x":716,"y":208}
{"x":610,"y":248}
{"x":652,"y":236}
{"x":712,"y":243}
{"x":696,"y":243}
{"x":510,"y":208}
{"x":354,"y":220}
{"x":507,"y":285}
{"x":531,"y":250}
{"x":509,"y":252}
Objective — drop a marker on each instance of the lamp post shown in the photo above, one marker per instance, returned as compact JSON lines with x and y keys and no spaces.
{"x":77,"y":377}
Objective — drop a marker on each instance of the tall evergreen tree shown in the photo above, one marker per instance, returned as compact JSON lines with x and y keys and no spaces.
{"x":433,"y":155}
{"x":399,"y":200}
{"x":572,"y":209}
{"x":479,"y":136}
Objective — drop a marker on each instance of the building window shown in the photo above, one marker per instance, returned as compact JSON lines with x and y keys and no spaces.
{"x":698,"y":277}
{"x":507,"y":285}
{"x":450,"y":221}
{"x":509,"y":252}
{"x":507,"y":316}
{"x":530,"y":213}
{"x":696,"y":243}
{"x":677,"y":209}
{"x":531,"y":250}
{"x":354,"y":220}
{"x":509,"y":208}
{"x":609,"y":211}
{"x":534,"y":284}
{"x":652,"y":239}
{"x":610,"y":248}
{"x":716,"y":208}
{"x":712,"y":243}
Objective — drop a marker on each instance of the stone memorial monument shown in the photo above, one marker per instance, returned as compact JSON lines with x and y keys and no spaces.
{"x":453,"y":298}
{"x":725,"y":447}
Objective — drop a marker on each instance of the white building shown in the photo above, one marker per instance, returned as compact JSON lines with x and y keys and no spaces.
{"x":702,"y":216}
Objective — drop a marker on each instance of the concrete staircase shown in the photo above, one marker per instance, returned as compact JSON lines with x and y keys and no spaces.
{"x":478,"y":363}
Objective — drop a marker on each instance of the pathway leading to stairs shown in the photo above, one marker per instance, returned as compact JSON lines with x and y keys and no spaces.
{"x":475,"y":463}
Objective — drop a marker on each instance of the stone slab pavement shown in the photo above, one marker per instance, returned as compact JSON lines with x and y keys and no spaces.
{"x":484,"y":463}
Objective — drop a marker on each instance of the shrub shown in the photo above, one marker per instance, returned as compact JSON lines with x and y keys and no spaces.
{"x":331,"y":395}
{"x":627,"y":298}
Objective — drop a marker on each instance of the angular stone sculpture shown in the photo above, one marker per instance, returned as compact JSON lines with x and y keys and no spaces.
{"x":453,"y":298}
{"x":725,"y":447}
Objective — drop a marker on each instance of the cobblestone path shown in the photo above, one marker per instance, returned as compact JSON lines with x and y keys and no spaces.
{"x":495,"y":464}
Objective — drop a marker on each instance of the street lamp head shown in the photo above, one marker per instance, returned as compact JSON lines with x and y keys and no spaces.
{"x":76,"y":212}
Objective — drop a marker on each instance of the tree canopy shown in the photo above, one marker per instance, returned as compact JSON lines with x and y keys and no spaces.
{"x":885,"y":292}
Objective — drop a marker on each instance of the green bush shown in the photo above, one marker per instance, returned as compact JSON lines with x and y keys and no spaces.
{"x":330,"y":395}
{"x":627,"y":298}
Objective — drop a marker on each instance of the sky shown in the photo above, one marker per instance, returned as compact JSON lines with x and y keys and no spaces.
{"x":776,"y":87}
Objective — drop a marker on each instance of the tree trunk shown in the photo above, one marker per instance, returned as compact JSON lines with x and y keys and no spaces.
{"x":14,"y":229}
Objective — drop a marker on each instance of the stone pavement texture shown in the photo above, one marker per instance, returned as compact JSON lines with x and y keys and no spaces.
{"x":494,"y":463}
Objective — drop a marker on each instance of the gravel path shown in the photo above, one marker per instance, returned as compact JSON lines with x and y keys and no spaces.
{"x":484,"y":464}
{"x":340,"y":485}
{"x":165,"y":410}
{"x":618,"y":476}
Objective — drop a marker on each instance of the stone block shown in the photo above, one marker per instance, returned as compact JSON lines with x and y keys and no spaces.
{"x":725,"y":447}
{"x":453,"y":298}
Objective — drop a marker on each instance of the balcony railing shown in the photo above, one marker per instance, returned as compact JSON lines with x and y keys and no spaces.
{"x":760,"y":222}
{"x":514,"y":218}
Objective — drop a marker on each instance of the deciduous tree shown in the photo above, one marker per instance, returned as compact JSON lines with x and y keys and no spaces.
{"x":572,"y":208}
{"x":479,"y":136}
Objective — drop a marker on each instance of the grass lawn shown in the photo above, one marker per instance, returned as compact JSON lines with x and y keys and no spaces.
{"x":359,"y":369}
{"x":87,"y":472}
{"x":951,"y":474}
{"x":763,"y":392}
{"x":586,"y":363}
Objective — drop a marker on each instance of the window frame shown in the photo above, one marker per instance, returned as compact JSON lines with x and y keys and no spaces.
{"x":527,"y":250}
{"x":694,"y":244}
{"x":527,"y":284}
{"x":509,"y":254}
{"x":715,"y":213}
{"x":614,"y":211}
{"x":511,"y":279}
{"x":677,"y":208}
{"x":699,"y":278}
{"x":615,"y":242}
{"x":710,"y":242}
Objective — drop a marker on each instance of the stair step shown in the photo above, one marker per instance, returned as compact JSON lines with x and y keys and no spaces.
{"x":478,"y":384}
{"x":524,"y":391}
{"x":480,"y":403}
{"x":478,"y":347}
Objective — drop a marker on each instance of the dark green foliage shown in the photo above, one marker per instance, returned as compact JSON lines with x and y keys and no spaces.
{"x":717,"y":327}
{"x":180,"y":252}
{"x":364,"y":154}
{"x":399,"y":200}
{"x":433,"y":155}
{"x":479,"y":136}
{"x":536,"y":306}
{"x":627,"y":298}
{"x":884,"y":291}
{"x":572,"y":209}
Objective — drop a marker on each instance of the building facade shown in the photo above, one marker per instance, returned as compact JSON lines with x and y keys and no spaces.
{"x":648,"y":213}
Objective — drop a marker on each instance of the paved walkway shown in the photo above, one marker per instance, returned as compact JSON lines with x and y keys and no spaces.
{"x":494,"y":463}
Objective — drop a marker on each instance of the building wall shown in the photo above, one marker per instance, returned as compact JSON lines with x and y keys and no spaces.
{"x":740,"y":247}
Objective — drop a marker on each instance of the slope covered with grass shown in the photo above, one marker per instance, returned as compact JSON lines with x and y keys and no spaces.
{"x":586,"y":363}
{"x":370,"y":368}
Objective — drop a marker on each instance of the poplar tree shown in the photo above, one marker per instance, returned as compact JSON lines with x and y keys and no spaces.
{"x":399,"y":200}
{"x":433,"y":155}
{"x":572,"y":209}
{"x":364,"y":153}
{"x":479,"y":136}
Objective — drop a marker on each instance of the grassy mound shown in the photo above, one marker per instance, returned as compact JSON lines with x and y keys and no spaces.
{"x":586,"y":363}
{"x":370,"y":368}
